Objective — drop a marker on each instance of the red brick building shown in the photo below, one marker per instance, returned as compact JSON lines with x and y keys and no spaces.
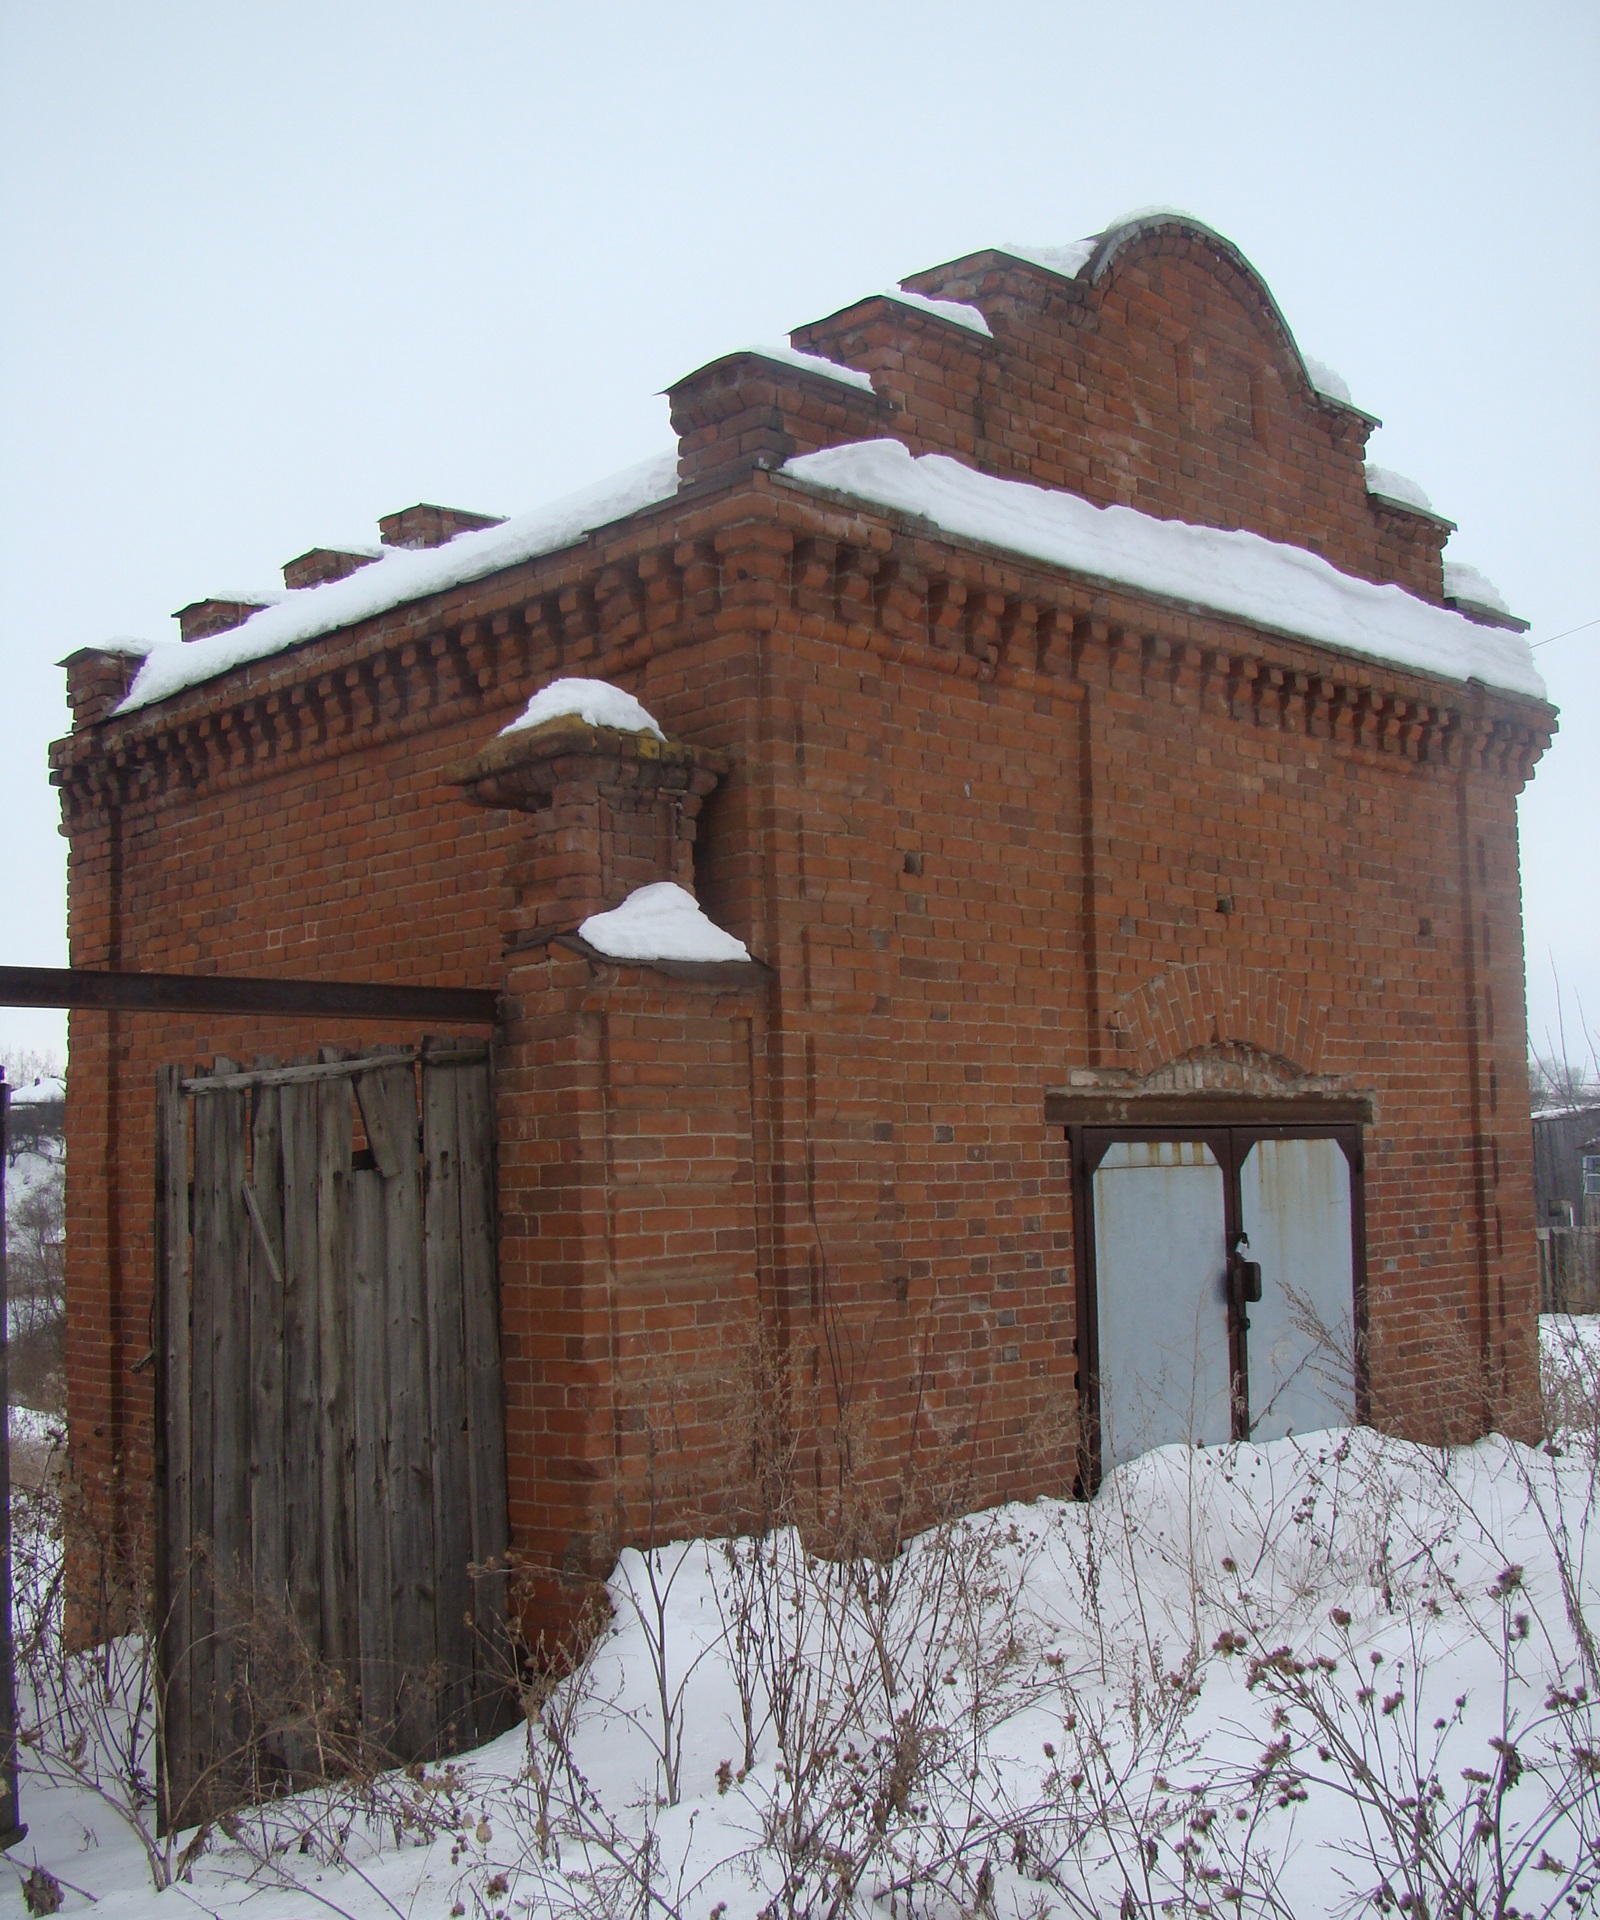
{"x":1067,"y":846}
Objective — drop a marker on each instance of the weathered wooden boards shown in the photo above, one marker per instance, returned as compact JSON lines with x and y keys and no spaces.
{"x":331,"y":1437}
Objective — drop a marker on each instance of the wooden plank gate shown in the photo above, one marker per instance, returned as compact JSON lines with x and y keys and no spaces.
{"x":330,"y":1432}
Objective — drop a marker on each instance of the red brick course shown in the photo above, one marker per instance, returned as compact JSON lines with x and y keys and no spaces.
{"x":984,"y":826}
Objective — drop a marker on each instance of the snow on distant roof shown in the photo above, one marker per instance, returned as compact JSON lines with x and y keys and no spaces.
{"x":595,"y":701}
{"x":404,"y":574}
{"x":1067,"y":260}
{"x":660,"y":922}
{"x":1389,"y":485}
{"x":957,"y":310}
{"x":1568,"y":1109}
{"x":1270,"y":584}
{"x":1462,"y":582}
{"x":47,"y":1091}
{"x":812,"y":363}
{"x":1326,"y":381}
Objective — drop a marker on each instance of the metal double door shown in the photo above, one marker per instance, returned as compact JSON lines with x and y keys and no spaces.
{"x":1224,"y":1296}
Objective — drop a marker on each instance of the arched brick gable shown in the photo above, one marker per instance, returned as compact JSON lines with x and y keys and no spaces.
{"x":1146,"y":234}
{"x":1160,"y":374}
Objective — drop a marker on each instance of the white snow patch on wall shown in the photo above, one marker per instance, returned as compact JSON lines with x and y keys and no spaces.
{"x":660,"y":922}
{"x":404,"y":574}
{"x":814,"y":363}
{"x":1242,"y":574}
{"x":957,"y":310}
{"x":1462,"y":582}
{"x":1325,"y":380}
{"x":1389,"y":485}
{"x":596,"y":702}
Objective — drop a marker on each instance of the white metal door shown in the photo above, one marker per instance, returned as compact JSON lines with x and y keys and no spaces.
{"x":1294,"y":1198}
{"x":1161,"y":1261}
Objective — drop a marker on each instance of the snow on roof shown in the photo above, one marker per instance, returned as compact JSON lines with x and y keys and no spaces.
{"x":1243,"y":574}
{"x":1462,"y":582}
{"x":1072,"y":259}
{"x":811,"y":363}
{"x":1068,"y":260}
{"x":247,"y":596}
{"x":1389,"y":485}
{"x":404,"y":574}
{"x":595,"y":701}
{"x":47,"y":1091}
{"x":660,"y":922}
{"x":1326,"y":381}
{"x":957,"y":310}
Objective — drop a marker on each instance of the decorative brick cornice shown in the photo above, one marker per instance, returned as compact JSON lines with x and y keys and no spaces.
{"x":758,"y":556}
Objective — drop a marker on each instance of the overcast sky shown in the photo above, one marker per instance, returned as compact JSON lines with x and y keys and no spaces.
{"x":271,"y":270}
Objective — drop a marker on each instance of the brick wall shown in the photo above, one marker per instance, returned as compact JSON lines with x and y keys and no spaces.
{"x":984,"y":827}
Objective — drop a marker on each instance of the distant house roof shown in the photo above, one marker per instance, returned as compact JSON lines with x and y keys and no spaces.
{"x":50,"y":1090}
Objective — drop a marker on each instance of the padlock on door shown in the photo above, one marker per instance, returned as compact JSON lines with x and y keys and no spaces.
{"x":1244,"y":1281}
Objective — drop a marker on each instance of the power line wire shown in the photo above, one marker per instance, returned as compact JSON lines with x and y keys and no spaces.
{"x":1581,"y":627}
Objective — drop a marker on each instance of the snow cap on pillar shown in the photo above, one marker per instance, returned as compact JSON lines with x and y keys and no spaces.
{"x":612,"y":800}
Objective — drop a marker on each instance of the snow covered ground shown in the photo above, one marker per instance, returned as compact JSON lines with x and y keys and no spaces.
{"x":30,"y":1171}
{"x":35,"y":1182}
{"x":1225,"y":1685}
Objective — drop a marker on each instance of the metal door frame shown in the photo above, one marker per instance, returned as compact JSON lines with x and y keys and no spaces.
{"x":1229,"y":1134}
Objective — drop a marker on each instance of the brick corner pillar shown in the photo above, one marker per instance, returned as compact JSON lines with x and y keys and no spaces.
{"x":607,"y":812}
{"x":610,"y":812}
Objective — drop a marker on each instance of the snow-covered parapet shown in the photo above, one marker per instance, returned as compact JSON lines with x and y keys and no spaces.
{"x":1067,"y":261}
{"x":660,"y":922}
{"x":402,"y":575}
{"x":1466,"y":584}
{"x":1331,"y":385}
{"x":1385,"y":484}
{"x":811,"y":363}
{"x":1272,"y":585}
{"x":958,"y":311}
{"x":1477,"y":596}
{"x":249,"y":596}
{"x":596,"y":702}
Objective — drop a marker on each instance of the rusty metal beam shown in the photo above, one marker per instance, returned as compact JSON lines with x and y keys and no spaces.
{"x":86,"y":987}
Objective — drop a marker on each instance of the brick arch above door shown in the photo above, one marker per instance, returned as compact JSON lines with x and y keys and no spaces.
{"x":1180,"y":1013}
